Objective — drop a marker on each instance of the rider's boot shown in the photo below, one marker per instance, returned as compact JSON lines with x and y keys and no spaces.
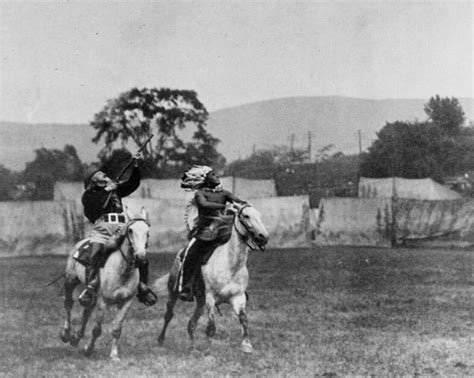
{"x":88,"y":296}
{"x":190,"y":268}
{"x":145,"y":294}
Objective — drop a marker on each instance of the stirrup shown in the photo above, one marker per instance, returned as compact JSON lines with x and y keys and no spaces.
{"x":147,"y":297}
{"x":186,"y":296}
{"x":87,"y":297}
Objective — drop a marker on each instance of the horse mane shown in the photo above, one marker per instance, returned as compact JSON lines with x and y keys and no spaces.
{"x":114,"y":242}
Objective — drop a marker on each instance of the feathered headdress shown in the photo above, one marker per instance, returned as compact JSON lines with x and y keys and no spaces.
{"x":194,"y":177}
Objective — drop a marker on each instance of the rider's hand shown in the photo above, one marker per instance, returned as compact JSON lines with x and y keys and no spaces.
{"x":111,"y":186}
{"x":138,"y":156}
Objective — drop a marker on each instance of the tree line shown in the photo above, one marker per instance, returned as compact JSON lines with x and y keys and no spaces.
{"x":440,"y":146}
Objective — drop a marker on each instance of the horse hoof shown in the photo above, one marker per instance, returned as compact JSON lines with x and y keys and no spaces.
{"x":246,"y":347}
{"x":74,"y":341}
{"x":211,"y":330}
{"x":161,"y":341}
{"x":88,"y":351}
{"x":65,"y":336}
{"x":115,"y":358}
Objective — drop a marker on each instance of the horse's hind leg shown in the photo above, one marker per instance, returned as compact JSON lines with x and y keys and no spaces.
{"x":192,"y":324}
{"x":172,"y":297}
{"x":238,"y":304}
{"x":97,"y":329}
{"x":211,"y":323}
{"x":69,"y":286}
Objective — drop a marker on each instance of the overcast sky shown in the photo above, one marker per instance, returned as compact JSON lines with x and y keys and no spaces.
{"x":61,"y":61}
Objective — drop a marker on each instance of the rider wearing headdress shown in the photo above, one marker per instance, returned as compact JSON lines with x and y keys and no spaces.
{"x":210,"y":199}
{"x":102,"y":201}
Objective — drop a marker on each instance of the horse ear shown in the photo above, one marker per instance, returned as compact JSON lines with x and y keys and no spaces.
{"x":143,"y":213}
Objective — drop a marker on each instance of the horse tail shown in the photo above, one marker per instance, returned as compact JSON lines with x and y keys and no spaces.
{"x":160,"y":285}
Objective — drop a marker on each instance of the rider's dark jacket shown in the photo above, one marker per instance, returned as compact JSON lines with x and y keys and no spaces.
{"x":210,"y":204}
{"x":94,"y":198}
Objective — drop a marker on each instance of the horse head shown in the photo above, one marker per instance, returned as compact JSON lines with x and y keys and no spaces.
{"x":250,"y":221}
{"x":137,"y":232}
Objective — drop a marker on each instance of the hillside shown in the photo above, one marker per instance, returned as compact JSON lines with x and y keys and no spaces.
{"x":331,"y":120}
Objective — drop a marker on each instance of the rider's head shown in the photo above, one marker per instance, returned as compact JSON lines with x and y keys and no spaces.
{"x":96,"y":179}
{"x":199,"y":176}
{"x":212,"y":180}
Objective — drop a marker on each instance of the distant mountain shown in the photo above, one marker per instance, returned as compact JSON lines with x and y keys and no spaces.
{"x":19,"y":140}
{"x":331,"y":120}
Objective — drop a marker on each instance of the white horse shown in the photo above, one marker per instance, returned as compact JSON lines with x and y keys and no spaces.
{"x":224,"y":277}
{"x":119,"y":280}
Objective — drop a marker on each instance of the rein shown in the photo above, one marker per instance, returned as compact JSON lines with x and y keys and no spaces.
{"x":130,"y":247}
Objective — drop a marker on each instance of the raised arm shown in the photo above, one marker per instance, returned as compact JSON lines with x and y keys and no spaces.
{"x":128,"y":187}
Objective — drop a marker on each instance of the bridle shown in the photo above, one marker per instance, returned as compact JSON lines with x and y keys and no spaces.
{"x":248,"y":228}
{"x":131,"y":250}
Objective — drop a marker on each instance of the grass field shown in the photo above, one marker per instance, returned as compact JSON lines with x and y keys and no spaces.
{"x":320,"y":311}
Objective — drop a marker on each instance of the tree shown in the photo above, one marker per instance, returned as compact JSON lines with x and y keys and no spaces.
{"x":50,"y":166}
{"x":439,"y":147}
{"x":402,"y":149}
{"x":324,"y":152}
{"x":135,"y":114}
{"x":445,"y":113}
{"x":8,"y":181}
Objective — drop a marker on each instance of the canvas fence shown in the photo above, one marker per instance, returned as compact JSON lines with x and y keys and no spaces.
{"x":385,"y":222}
{"x":34,"y":228}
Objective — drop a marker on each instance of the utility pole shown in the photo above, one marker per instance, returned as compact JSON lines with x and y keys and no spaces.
{"x":309,"y":146}
{"x":360,"y":156}
{"x":292,"y":143}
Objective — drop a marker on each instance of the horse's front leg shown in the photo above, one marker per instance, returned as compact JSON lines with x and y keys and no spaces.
{"x":238,"y":304}
{"x":69,"y":286}
{"x":97,"y":329}
{"x":117,"y":328}
{"x":192,"y":324}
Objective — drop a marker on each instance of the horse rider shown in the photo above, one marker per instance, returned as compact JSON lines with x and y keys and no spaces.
{"x":102,"y":201}
{"x":210,"y":199}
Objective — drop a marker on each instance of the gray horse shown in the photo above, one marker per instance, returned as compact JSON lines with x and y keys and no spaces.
{"x":119,"y":280}
{"x":224,"y":277}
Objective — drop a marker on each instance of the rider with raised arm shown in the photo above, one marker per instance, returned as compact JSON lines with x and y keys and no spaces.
{"x":210,"y":199}
{"x":102,"y":201}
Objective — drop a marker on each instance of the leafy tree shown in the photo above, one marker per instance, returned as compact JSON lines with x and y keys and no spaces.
{"x":439,"y":147}
{"x":50,"y":166}
{"x":263,"y":163}
{"x":410,"y":150}
{"x":324,"y":152}
{"x":446,"y":113}
{"x":135,"y":114}
{"x":7,"y":183}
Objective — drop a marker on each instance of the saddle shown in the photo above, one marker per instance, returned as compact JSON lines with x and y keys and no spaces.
{"x":216,"y":234}
{"x":82,"y":253}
